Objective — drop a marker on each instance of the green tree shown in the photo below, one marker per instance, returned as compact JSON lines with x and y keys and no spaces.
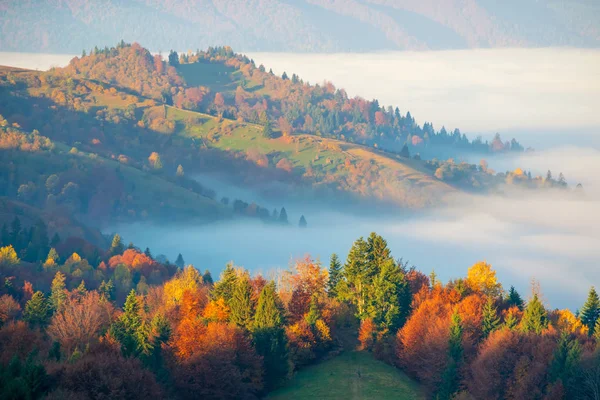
{"x":207,"y":277}
{"x":514,"y":298}
{"x":390,"y":297}
{"x":224,"y":287}
{"x":490,"y":321}
{"x":590,"y":312}
{"x":267,"y":130}
{"x":565,"y":359}
{"x":53,"y":255}
{"x":58,"y":294}
{"x":37,"y":310}
{"x":535,"y":317}
{"x":116,"y":246}
{"x":179,"y":261}
{"x":241,"y":303}
{"x":269,"y":309}
{"x":173,"y":58}
{"x":107,"y":290}
{"x":271,"y":344}
{"x":128,"y":328}
{"x":451,"y":376}
{"x":335,"y":275}
{"x":314,"y":311}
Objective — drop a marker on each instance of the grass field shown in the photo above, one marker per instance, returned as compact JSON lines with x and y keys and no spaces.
{"x":350,"y":376}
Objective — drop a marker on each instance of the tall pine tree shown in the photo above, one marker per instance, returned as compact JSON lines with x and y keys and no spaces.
{"x":269,"y":310}
{"x":490,"y":321}
{"x":58,"y":294}
{"x":241,"y":303}
{"x":335,"y":275}
{"x":451,"y":376}
{"x":535,"y":317}
{"x":590,"y":312}
{"x":514,"y":298}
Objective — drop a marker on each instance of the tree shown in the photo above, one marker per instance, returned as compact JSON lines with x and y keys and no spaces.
{"x":241,"y":303}
{"x":535,"y":317}
{"x":37,"y":310}
{"x":335,"y":275}
{"x":173,"y":58}
{"x":284,"y":76}
{"x":58,"y":294}
{"x":565,"y":359}
{"x":390,"y":298}
{"x":52,"y":259}
{"x":272,"y":345}
{"x":514,"y":298}
{"x":302,"y":222}
{"x":116,"y":246}
{"x":269,"y":310}
{"x":481,"y":277}
{"x":590,"y":312}
{"x":490,"y":321}
{"x":8,"y":256}
{"x":283,"y":218}
{"x":179,"y":261}
{"x":207,"y":277}
{"x":225,"y":286}
{"x":404,"y":152}
{"x":180,"y":172}
{"x":107,"y":290}
{"x":450,"y":377}
{"x":267,"y":130}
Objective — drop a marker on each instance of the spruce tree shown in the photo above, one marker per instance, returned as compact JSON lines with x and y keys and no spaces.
{"x":283,"y":218}
{"x":179,"y":261}
{"x":490,"y":320}
{"x":590,"y":312}
{"x":565,"y":359}
{"x":148,"y":253}
{"x":116,"y":246}
{"x":58,"y":294}
{"x":272,"y":345}
{"x":356,"y":274}
{"x":267,"y":130}
{"x":269,"y":310}
{"x":207,"y":277}
{"x":335,"y":275}
{"x":302,"y":223}
{"x":314,"y":311}
{"x":390,"y":298}
{"x":106,"y":290}
{"x":450,"y":377}
{"x":224,"y":287}
{"x":511,"y":321}
{"x":241,"y":303}
{"x":128,"y":329}
{"x":535,"y":317}
{"x":37,"y":310}
{"x":514,"y":298}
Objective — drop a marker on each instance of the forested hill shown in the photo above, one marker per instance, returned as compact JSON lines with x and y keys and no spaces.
{"x":300,"y":25}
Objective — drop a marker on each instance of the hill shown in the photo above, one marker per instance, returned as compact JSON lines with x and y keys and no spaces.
{"x":350,"y":376}
{"x":305,"y":25}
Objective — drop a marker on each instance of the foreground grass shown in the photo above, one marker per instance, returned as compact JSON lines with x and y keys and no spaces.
{"x":349,"y":376}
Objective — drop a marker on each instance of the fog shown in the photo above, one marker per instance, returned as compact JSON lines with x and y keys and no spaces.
{"x":485,"y":90}
{"x":549,"y":236}
{"x":547,"y":97}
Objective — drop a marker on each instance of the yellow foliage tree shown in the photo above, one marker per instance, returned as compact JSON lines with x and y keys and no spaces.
{"x":188,"y":279}
{"x":481,"y":277}
{"x":8,"y":256}
{"x":566,"y":321}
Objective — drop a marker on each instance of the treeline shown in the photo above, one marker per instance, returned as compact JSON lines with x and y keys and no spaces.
{"x":287,"y":102}
{"x":129,"y":324}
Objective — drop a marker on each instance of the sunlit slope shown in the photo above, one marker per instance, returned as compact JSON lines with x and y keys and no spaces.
{"x":348,"y":167}
{"x":350,"y":376}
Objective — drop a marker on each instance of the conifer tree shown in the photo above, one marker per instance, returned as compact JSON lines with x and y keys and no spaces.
{"x":269,"y":310}
{"x":128,"y":329}
{"x":52,"y":258}
{"x":514,"y":298}
{"x":510,"y":321}
{"x":335,"y":275}
{"x":565,"y":359}
{"x":272,"y":345}
{"x":148,"y":253}
{"x":81,"y":289}
{"x":37,"y":310}
{"x":597,"y":331}
{"x":106,"y":290}
{"x":356,"y":273}
{"x":535,"y":317}
{"x":241,"y":303}
{"x":450,"y":377}
{"x":207,"y":277}
{"x":314,"y":311}
{"x":302,"y":223}
{"x":179,"y":261}
{"x":224,"y":287}
{"x":117,"y":246}
{"x":267,"y":130}
{"x":389,"y":298}
{"x":283,"y":218}
{"x":58,"y":294}
{"x":490,"y":320}
{"x":590,"y":312}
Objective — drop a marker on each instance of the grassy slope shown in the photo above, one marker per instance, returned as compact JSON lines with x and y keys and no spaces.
{"x":401,"y":181}
{"x":350,"y":376}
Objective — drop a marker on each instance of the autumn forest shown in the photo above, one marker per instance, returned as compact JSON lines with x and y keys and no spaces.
{"x":123,"y":136}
